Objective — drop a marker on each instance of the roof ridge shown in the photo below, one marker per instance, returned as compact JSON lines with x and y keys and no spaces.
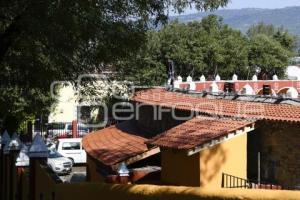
{"x":219,"y":107}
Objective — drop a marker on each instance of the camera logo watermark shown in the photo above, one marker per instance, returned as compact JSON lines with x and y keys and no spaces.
{"x":100,"y":100}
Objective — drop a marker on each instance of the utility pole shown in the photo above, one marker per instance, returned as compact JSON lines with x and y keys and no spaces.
{"x":258,"y":169}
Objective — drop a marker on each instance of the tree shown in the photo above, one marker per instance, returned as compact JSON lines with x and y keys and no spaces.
{"x":46,"y":40}
{"x":261,"y":28}
{"x":270,"y":49}
{"x":225,"y":49}
{"x":269,"y":55}
{"x":287,"y":40}
{"x":207,"y":47}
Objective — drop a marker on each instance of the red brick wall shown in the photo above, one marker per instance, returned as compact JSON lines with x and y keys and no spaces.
{"x":256,"y":85}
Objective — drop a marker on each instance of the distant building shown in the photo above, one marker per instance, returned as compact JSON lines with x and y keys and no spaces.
{"x":295,"y":60}
{"x":293,"y":72}
{"x":65,"y":107}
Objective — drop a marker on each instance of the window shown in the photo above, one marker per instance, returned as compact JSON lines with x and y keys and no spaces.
{"x":71,"y":146}
{"x":69,"y":127}
{"x":82,"y":128}
{"x":54,"y":154}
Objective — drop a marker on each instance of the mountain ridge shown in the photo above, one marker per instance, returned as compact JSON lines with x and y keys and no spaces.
{"x":243,"y":19}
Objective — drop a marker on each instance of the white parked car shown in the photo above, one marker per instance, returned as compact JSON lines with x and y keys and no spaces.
{"x":72,"y":149}
{"x":51,"y":146}
{"x":58,"y":163}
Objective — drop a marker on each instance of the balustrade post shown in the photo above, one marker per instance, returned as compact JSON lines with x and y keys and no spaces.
{"x":14,"y":147}
{"x":5,"y":139}
{"x":38,"y":153}
{"x":22,"y":161}
{"x":6,"y":174}
{"x":222,"y":180}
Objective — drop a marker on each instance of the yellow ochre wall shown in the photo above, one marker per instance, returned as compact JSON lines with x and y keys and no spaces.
{"x":100,"y":191}
{"x":180,"y":169}
{"x":229,"y":157}
{"x":205,"y":168}
{"x":96,"y":191}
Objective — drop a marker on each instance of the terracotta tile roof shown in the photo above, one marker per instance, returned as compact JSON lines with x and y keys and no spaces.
{"x":196,"y":132}
{"x":116,"y":143}
{"x":220,"y":107}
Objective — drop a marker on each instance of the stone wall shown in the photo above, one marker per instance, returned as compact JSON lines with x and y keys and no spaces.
{"x":279,"y":145}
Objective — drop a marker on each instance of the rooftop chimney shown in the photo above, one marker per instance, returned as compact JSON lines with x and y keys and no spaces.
{"x":123,"y":173}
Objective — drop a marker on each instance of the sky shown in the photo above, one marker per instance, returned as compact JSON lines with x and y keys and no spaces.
{"x":271,"y":4}
{"x":236,"y":4}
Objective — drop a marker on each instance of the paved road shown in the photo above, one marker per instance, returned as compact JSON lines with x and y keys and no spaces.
{"x":78,"y":175}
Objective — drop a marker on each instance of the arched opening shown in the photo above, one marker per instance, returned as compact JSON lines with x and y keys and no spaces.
{"x":288,"y":92}
{"x":214,"y":88}
{"x":247,"y":90}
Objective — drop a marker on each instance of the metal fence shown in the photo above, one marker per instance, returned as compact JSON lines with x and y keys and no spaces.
{"x":67,"y":130}
{"x":230,"y":181}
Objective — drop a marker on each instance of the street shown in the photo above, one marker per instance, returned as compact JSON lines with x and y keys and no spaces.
{"x":77,"y":175}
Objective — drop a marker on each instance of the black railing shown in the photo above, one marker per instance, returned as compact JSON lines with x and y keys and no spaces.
{"x":65,"y":130}
{"x":229,"y":181}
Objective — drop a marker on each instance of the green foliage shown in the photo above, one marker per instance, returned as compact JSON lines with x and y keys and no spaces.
{"x":271,"y":48}
{"x":287,"y":40}
{"x":209,"y":47}
{"x":46,"y":40}
{"x":197,"y":48}
{"x":243,"y":19}
{"x":18,"y":104}
{"x":262,"y":28}
{"x":269,"y":55}
{"x":281,"y":35}
{"x":22,"y":128}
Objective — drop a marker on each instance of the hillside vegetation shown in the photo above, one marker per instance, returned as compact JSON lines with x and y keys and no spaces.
{"x":242,"y":19}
